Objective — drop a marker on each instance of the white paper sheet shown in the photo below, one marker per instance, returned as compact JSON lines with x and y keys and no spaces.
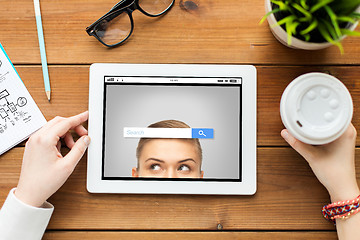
{"x":19,"y":114}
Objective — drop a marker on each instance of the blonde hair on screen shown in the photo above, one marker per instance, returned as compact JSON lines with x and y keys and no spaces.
{"x":168,"y":124}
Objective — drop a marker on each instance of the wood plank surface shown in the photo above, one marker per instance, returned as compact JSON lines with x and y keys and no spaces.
{"x":288,"y":197}
{"x":70,"y":87}
{"x":191,"y":235}
{"x":209,"y":32}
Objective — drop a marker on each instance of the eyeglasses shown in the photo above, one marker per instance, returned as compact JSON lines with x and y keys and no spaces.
{"x":116,"y":26}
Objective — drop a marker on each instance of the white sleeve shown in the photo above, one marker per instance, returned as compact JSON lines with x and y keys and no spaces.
{"x":21,"y":221}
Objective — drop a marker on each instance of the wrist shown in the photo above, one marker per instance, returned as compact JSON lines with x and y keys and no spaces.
{"x":344,"y":194}
{"x":27,"y":199}
{"x":341,"y":209}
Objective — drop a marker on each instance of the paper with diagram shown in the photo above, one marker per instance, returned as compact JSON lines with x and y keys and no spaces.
{"x":19,"y":114}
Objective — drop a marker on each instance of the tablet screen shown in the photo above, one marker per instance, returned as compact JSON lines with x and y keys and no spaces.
{"x":172,"y":128}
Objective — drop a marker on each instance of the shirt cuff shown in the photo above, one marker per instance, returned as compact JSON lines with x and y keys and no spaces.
{"x":21,"y":221}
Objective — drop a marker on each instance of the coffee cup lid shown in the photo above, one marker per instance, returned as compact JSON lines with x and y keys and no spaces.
{"x":316,"y":108}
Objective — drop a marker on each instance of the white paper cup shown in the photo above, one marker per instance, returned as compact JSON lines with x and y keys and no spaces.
{"x":316,"y":108}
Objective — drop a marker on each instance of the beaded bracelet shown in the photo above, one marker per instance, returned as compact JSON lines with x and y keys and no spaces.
{"x":341,"y":209}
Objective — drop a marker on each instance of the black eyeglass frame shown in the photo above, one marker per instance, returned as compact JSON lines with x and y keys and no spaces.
{"x":119,"y":8}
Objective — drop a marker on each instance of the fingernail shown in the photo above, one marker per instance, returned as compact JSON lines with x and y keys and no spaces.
{"x":87,"y":140}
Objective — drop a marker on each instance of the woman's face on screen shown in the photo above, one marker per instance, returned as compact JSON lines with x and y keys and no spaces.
{"x":169,"y":158}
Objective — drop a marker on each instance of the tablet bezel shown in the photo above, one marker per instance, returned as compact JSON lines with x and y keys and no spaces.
{"x":247,"y":186}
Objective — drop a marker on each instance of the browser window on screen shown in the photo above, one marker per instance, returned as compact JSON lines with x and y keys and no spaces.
{"x":172,"y":128}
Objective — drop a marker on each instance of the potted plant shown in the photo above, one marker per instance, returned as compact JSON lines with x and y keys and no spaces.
{"x":312,"y":24}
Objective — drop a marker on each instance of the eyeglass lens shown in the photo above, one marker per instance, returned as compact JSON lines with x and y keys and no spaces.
{"x":115,"y":29}
{"x":155,"y":7}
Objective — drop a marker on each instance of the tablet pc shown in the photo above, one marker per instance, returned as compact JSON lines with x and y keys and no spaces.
{"x":172,"y":129}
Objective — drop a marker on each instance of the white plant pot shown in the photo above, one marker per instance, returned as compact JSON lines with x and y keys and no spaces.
{"x":281,"y":35}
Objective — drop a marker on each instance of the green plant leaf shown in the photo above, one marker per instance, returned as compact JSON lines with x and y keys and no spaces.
{"x":355,"y":15}
{"x":323,"y":31}
{"x":330,"y":29}
{"x":311,"y":27}
{"x":289,"y":33}
{"x":268,"y":14}
{"x":333,"y":20}
{"x":291,"y":30}
{"x":350,"y":33}
{"x":281,"y":4}
{"x":284,"y":20}
{"x":345,"y":7}
{"x":327,"y":37}
{"x":345,"y":19}
{"x":293,"y":27}
{"x":303,"y":19}
{"x":307,"y":37}
{"x":319,"y":5}
{"x":304,"y":5}
{"x":302,"y":10}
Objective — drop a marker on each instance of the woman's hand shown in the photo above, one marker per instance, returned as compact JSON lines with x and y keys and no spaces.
{"x":333,"y":163}
{"x":44,"y":170}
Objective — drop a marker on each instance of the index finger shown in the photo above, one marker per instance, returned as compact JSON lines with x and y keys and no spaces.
{"x":303,"y":149}
{"x":64,"y":125}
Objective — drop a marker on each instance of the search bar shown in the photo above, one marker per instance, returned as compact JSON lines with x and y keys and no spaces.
{"x":132,"y":132}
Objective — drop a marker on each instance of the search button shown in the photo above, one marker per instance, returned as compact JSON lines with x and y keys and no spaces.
{"x":203,"y":133}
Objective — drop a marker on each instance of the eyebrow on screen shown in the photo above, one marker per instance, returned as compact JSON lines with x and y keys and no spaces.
{"x":188,"y":159}
{"x":155,"y":159}
{"x":162,"y":161}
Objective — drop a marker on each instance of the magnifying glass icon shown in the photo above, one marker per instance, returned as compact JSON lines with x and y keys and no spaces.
{"x":201,"y":133}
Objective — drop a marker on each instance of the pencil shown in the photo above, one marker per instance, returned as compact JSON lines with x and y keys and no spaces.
{"x":42,"y":48}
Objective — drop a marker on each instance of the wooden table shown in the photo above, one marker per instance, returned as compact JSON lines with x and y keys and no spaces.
{"x":289,"y":198}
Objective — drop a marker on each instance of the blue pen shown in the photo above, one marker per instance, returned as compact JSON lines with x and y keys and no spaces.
{"x":42,"y":48}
